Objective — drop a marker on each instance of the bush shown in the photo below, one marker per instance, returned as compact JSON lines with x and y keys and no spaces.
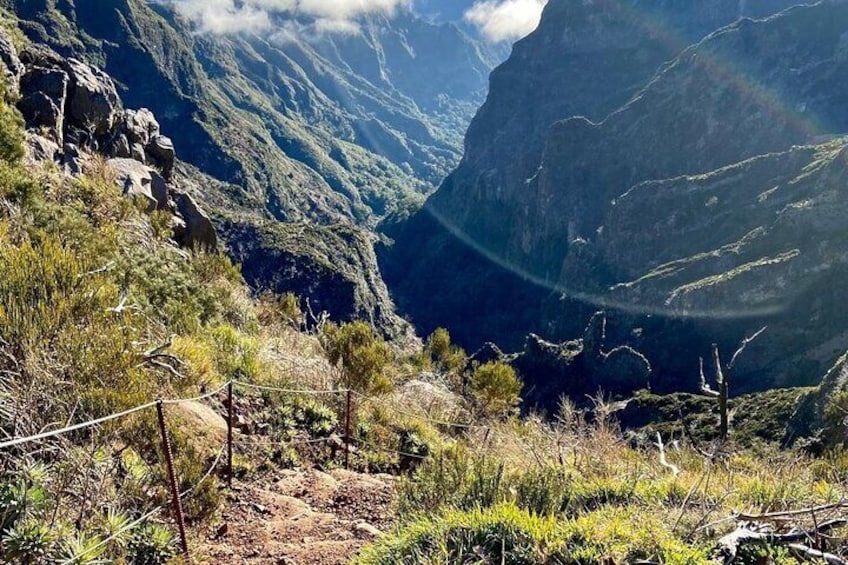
{"x":152,"y":545}
{"x":280,"y":309}
{"x":496,"y":388}
{"x":308,"y":416}
{"x":11,"y":130}
{"x":443,"y":354}
{"x":361,"y":355}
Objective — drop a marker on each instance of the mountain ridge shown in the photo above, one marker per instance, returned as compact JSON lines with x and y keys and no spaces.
{"x":517,"y":239}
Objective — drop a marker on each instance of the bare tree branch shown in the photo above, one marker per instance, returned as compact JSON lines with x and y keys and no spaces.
{"x":675,"y":470}
{"x":730,"y":544}
{"x":810,"y":554}
{"x":717,"y":362}
{"x":705,"y":388}
{"x":743,"y":345}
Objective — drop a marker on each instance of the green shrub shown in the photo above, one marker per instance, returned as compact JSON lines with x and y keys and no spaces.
{"x":305,"y":415}
{"x":452,"y":478}
{"x":152,"y":545}
{"x":446,"y":356}
{"x":361,"y":355}
{"x":280,"y":309}
{"x":496,"y":388}
{"x":11,"y":130}
{"x":507,"y":534}
{"x":27,"y":542}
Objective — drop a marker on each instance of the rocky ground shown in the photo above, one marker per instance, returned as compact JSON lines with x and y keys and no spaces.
{"x":297,"y":517}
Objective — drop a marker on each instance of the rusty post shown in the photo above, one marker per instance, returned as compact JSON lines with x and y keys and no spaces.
{"x":347,"y":429}
{"x":172,"y":479}
{"x":230,"y":435}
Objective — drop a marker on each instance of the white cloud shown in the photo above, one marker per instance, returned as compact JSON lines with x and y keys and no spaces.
{"x":235,"y":16}
{"x":506,"y":20}
{"x":223,"y":16}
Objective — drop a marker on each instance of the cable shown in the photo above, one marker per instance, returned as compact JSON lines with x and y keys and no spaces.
{"x":91,"y":423}
{"x":197,"y":398}
{"x":419,"y":416}
{"x":387,"y":450}
{"x":208,"y":474}
{"x":311,"y":441}
{"x":289,"y":391}
{"x":104,"y":419}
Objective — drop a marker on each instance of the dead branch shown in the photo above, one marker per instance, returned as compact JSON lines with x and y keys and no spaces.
{"x":319,"y":321}
{"x":104,"y":269}
{"x":167,"y":367}
{"x":705,"y":388}
{"x":770,"y":516}
{"x":675,"y":470}
{"x":158,"y":358}
{"x":156,"y":351}
{"x":743,"y":345}
{"x":810,"y":554}
{"x":729,"y":545}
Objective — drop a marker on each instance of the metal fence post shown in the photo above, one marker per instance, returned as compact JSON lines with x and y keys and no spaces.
{"x":230,"y":435}
{"x":347,"y":429}
{"x":172,"y":479}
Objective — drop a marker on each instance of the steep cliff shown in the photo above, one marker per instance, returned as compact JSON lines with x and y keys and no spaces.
{"x":545,"y":221}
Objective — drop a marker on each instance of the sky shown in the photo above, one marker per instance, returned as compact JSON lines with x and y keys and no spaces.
{"x":497,"y":20}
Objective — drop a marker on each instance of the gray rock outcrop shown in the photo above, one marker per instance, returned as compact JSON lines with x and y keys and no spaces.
{"x":199,"y":233}
{"x":12,"y":68}
{"x":93,"y":102}
{"x":139,"y":181}
{"x":72,"y":111}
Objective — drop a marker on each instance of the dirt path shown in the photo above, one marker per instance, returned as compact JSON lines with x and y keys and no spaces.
{"x":299,"y":517}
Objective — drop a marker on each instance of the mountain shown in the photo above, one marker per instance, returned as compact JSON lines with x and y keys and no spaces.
{"x":655,"y":180}
{"x":319,"y":130}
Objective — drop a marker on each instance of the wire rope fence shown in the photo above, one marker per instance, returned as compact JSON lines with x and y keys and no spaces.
{"x":225,"y":453}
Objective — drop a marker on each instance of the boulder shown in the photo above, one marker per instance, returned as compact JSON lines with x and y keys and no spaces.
{"x":366,"y":530}
{"x":140,"y":126}
{"x":120,"y":147}
{"x":137,"y":153}
{"x":93,"y":102}
{"x":39,"y":149}
{"x":161,"y":152}
{"x":72,"y":159}
{"x":12,"y":66}
{"x":44,"y":94}
{"x":204,"y":427}
{"x":199,"y":232}
{"x":137,"y":180}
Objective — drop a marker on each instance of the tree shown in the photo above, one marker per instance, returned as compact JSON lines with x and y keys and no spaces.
{"x":721,"y":378}
{"x":360,"y":353}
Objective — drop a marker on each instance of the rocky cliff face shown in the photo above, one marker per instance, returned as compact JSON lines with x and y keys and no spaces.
{"x":75,"y":119}
{"x":579,"y":216}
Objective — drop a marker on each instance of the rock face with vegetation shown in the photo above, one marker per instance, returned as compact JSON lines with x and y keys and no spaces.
{"x":74,"y":116}
{"x":333,"y":129}
{"x":694,"y":196}
{"x":325,"y":128}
